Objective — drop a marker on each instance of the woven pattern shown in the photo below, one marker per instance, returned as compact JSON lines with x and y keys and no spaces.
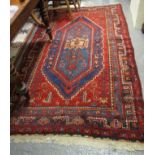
{"x":84,"y":82}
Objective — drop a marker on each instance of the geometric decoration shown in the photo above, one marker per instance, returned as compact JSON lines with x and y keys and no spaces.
{"x":84,"y":82}
{"x":75,"y":56}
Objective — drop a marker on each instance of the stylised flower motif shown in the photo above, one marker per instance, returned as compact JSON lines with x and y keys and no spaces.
{"x":78,"y":121}
{"x":71,"y":67}
{"x":62,"y":64}
{"x":84,"y":64}
{"x":43,"y":121}
{"x":116,"y":124}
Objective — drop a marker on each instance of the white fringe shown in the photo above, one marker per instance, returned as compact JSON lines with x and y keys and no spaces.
{"x":79,"y":140}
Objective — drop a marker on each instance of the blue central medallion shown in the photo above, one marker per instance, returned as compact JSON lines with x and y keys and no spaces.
{"x":75,"y":56}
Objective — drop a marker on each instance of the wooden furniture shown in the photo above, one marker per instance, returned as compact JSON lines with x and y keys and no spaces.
{"x":76,"y":2}
{"x":25,"y":8}
{"x":24,"y":11}
{"x":57,"y":4}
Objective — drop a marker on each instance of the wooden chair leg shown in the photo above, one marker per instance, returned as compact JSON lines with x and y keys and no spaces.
{"x":74,"y":2}
{"x":43,"y":4}
{"x":78,"y":2}
{"x":36,"y":19}
{"x":68,"y":7}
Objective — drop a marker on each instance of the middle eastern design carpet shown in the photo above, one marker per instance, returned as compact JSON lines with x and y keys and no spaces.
{"x":84,"y":82}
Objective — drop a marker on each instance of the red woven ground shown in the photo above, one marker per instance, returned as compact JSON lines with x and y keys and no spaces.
{"x":84,"y":82}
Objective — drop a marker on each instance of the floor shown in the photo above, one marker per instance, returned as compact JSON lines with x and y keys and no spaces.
{"x":66,"y":145}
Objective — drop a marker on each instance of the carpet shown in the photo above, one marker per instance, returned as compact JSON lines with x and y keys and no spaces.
{"x":85,"y":82}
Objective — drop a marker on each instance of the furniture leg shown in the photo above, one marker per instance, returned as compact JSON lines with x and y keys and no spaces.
{"x":74,"y":2}
{"x":55,"y":4}
{"x":78,"y":2}
{"x":36,"y":19}
{"x":68,"y":7}
{"x":45,"y":17}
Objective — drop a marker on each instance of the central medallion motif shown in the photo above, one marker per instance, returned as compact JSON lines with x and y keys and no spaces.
{"x":77,"y":43}
{"x":75,"y":57}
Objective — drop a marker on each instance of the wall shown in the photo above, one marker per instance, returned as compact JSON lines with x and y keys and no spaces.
{"x":137,"y":11}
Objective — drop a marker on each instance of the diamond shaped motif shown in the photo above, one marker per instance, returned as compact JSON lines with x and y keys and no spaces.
{"x":75,"y":57}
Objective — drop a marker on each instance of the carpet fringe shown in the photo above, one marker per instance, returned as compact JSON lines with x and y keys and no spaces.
{"x":79,"y":140}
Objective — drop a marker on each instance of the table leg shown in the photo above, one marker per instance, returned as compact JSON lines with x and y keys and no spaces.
{"x":45,"y":17}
